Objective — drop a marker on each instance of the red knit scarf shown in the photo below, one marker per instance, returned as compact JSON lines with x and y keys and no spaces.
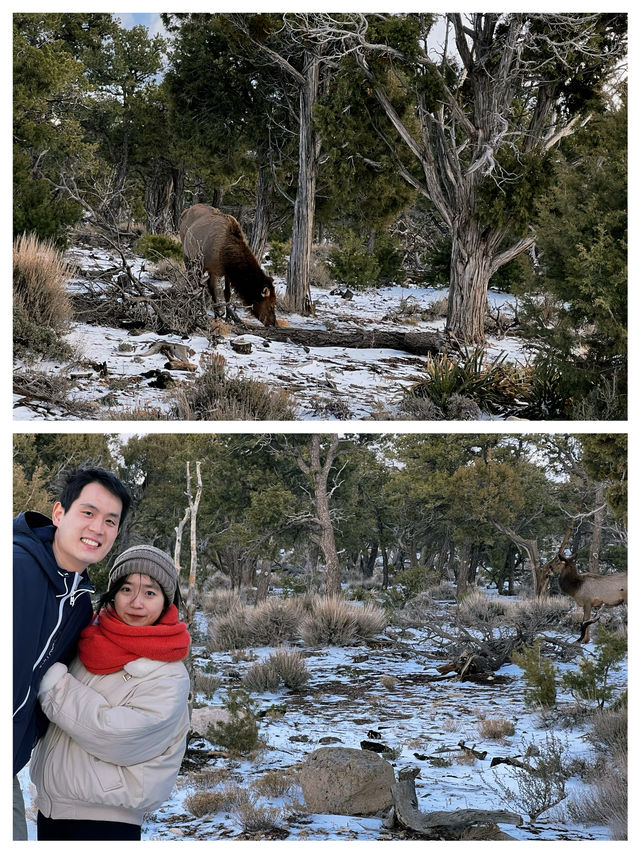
{"x":107,"y":644}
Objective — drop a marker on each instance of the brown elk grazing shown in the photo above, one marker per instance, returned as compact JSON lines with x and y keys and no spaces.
{"x":214,"y":242}
{"x":589,"y":590}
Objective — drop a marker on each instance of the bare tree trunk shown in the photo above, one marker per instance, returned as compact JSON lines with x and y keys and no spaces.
{"x":318,"y":473}
{"x":263,"y":574}
{"x":191,"y":512}
{"x":193,"y":505}
{"x":178,"y":546}
{"x":298,"y":284}
{"x":596,"y":537}
{"x":369,"y":565}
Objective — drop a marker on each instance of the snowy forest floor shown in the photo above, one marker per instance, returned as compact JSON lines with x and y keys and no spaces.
{"x":382,"y":688}
{"x":110,"y":378}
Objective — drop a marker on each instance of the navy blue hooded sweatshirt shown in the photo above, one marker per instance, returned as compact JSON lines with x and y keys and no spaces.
{"x":51,"y":606}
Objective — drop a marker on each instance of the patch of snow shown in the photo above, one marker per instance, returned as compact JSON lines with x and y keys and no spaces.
{"x":325,"y":383}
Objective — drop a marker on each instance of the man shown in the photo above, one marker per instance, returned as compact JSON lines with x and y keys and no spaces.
{"x":52,"y":595}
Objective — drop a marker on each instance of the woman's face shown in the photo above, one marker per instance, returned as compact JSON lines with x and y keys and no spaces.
{"x":139,"y":601}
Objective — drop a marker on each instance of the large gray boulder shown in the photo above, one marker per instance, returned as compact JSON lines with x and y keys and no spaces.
{"x":339,"y":780}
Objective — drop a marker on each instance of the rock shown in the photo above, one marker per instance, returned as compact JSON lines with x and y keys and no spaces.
{"x":340,"y":780}
{"x":375,"y":746}
{"x":202,"y":718}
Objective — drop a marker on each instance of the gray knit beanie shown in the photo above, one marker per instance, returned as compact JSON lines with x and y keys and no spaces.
{"x":146,"y":560}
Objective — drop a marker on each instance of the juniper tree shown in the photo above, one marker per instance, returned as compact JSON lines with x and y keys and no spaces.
{"x":484,"y":122}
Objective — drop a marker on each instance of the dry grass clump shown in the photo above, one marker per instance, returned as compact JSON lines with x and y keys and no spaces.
{"x":334,"y":621}
{"x":291,"y":667}
{"x":274,"y":783}
{"x":529,"y":616}
{"x":40,"y":276}
{"x":207,"y":778}
{"x":216,"y":397}
{"x":209,"y":802}
{"x":206,"y":683}
{"x":478,"y":608}
{"x":229,"y":631}
{"x":274,"y":621}
{"x":413,"y":311}
{"x":371,"y":619}
{"x":284,"y":667}
{"x":331,"y":621}
{"x":533,"y":615}
{"x":243,"y":803}
{"x":220,"y":601}
{"x":609,"y":729}
{"x":607,"y":801}
{"x":256,"y":818}
{"x":497,"y":729}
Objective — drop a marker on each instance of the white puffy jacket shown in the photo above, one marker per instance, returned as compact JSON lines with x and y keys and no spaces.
{"x":115,"y":743}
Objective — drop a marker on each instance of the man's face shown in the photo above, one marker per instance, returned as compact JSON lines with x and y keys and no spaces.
{"x":87,"y":530}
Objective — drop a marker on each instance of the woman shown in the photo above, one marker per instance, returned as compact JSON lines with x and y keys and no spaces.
{"x":119,"y":715}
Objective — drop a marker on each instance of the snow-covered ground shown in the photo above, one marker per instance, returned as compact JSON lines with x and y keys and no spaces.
{"x":326,"y":383}
{"x":386,"y":689}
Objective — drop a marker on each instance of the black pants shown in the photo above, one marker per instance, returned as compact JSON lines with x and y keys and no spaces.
{"x":86,"y":830}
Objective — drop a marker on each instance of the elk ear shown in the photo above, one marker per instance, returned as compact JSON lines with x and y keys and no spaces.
{"x":265,"y":292}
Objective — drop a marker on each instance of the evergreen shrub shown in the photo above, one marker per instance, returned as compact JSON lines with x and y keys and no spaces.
{"x":155,"y":247}
{"x":591,"y":680}
{"x":539,"y":676}
{"x":239,"y":734}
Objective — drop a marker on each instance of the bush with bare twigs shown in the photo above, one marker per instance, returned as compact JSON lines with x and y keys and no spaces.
{"x":539,"y":783}
{"x":607,"y":800}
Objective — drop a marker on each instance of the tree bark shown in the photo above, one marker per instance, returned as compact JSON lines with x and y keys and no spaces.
{"x":260,"y":227}
{"x":596,"y":536}
{"x":298,"y":284}
{"x":318,"y":473}
{"x":468,"y":282}
{"x":417,"y":343}
{"x":433,"y":824}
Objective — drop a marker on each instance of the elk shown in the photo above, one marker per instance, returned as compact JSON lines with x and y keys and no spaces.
{"x":213,"y":242}
{"x":589,"y":590}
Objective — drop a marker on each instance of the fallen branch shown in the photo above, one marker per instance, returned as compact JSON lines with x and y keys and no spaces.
{"x":417,"y":343}
{"x":436,"y":824}
{"x":479,"y":754}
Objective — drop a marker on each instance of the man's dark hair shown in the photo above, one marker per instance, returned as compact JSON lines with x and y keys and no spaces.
{"x":73,"y":482}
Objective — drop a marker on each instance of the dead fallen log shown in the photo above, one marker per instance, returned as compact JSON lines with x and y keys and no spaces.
{"x":441,"y":824}
{"x":416,"y":343}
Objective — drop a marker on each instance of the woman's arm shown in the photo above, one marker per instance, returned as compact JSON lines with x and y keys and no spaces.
{"x":122,"y":734}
